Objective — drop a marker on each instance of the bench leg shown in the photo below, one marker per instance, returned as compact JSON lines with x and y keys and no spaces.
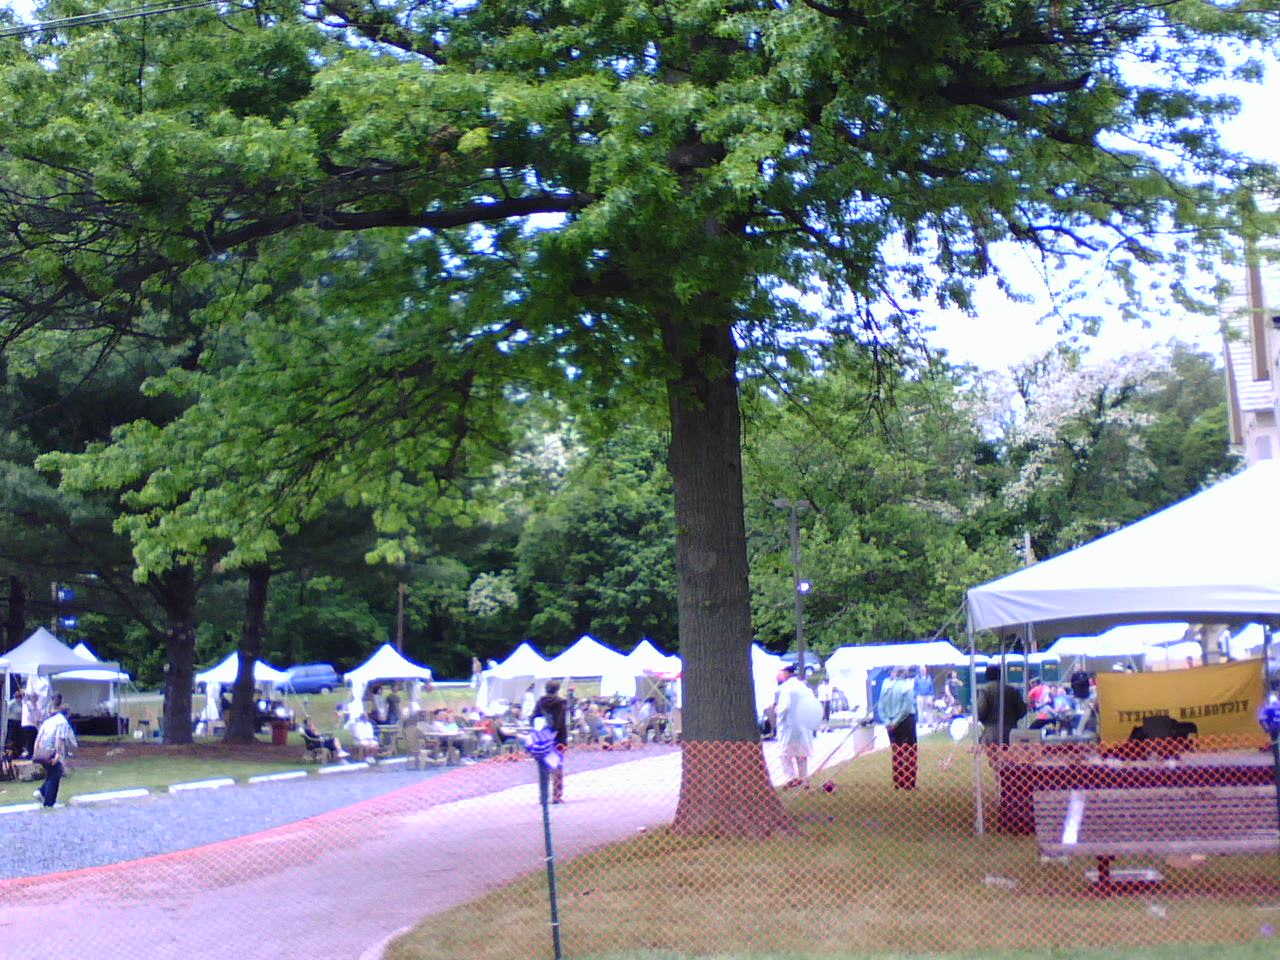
{"x":1104,"y":874}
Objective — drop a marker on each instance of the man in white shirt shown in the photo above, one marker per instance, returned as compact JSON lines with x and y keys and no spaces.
{"x":798,"y":717}
{"x":32,"y":716}
{"x":365,"y":738}
{"x":54,"y":742}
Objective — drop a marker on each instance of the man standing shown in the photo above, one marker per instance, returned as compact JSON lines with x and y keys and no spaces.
{"x":54,"y":742}
{"x":924,"y":696}
{"x":31,"y":717}
{"x":555,"y":712}
{"x":824,"y":698}
{"x":998,"y":724}
{"x":897,"y":707}
{"x":798,"y":715}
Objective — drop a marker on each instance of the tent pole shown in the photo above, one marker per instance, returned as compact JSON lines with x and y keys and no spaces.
{"x":4,"y":717}
{"x":1266,"y":698}
{"x":978,"y":818}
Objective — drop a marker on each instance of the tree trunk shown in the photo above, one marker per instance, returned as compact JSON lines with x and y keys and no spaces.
{"x":242,"y":723}
{"x":725,"y":788}
{"x":177,"y":594}
{"x":15,"y":627}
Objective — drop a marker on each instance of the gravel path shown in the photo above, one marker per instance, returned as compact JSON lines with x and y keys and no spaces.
{"x":72,"y":837}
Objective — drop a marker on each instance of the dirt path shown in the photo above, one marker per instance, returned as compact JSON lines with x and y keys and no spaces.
{"x":338,"y":885}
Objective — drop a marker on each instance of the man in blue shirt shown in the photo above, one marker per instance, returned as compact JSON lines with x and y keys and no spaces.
{"x":924,"y":696}
{"x":897,"y":706}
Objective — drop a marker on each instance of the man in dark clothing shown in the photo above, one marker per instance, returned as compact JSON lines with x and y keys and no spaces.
{"x":994,"y":731}
{"x":555,"y":712}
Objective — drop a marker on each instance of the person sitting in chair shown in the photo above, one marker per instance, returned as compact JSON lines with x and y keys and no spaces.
{"x":312,"y":739}
{"x":365,"y":738}
{"x":446,"y":728}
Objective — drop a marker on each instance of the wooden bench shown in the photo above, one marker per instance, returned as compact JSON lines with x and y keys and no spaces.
{"x":1156,"y":821}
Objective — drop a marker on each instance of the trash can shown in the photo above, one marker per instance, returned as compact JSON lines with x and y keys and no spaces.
{"x":279,"y":732}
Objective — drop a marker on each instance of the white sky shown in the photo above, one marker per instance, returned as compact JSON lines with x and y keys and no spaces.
{"x":1005,"y":333}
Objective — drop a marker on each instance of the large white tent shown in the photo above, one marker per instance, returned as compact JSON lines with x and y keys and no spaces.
{"x":39,"y":657}
{"x":848,"y":667}
{"x":647,"y":657}
{"x":43,"y":654}
{"x":1127,"y":642}
{"x":589,"y":659}
{"x":225,"y":672}
{"x":92,"y":690}
{"x":387,"y":663}
{"x":1207,"y":559}
{"x":764,"y":677}
{"x":507,"y":681}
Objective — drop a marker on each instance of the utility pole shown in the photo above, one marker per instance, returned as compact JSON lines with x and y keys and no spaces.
{"x":801,"y":586}
{"x":400,"y":618}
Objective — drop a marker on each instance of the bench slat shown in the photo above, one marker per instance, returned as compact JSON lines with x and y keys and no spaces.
{"x":1157,"y":820}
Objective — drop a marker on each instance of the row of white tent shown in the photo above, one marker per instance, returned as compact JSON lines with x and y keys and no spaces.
{"x":586,"y":659}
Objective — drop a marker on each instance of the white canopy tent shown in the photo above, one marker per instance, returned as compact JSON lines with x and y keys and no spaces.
{"x":647,"y":657}
{"x":647,"y":661}
{"x":1131,"y":644}
{"x":1206,"y":559}
{"x":225,"y":672}
{"x":90,"y":691}
{"x":507,"y":681}
{"x":590,"y":659}
{"x":764,"y":677}
{"x":387,"y":663}
{"x":38,"y":658}
{"x":224,"y":675}
{"x":848,"y":667}
{"x":1244,"y":643}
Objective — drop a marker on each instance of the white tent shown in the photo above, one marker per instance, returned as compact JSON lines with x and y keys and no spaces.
{"x":225,"y":672}
{"x":43,"y":653}
{"x":1129,"y":641}
{"x":1245,"y":643}
{"x":588,"y":658}
{"x":387,"y":663}
{"x":1208,"y":559}
{"x":39,"y":656}
{"x":647,"y":657}
{"x":91,"y":691}
{"x":508,"y":681}
{"x":764,"y":677}
{"x":96,"y":673}
{"x":848,"y":667}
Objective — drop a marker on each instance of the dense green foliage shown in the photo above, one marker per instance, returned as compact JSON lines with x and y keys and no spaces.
{"x":907,"y":485}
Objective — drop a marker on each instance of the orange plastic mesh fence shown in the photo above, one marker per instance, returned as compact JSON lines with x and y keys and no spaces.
{"x":710,"y":849}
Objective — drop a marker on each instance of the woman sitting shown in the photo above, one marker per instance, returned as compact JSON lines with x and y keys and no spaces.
{"x":314,"y":740}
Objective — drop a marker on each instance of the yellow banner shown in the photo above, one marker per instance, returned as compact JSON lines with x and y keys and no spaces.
{"x":1221,"y":699}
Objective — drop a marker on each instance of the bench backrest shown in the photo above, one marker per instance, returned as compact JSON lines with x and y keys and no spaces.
{"x":1184,"y":819}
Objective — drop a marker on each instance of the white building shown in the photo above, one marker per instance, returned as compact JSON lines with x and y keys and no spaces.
{"x":1251,"y":328}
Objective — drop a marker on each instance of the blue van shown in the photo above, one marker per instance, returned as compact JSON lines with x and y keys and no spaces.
{"x":312,"y":678}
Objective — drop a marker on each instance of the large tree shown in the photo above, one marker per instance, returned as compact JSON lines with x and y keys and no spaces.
{"x":594,"y":198}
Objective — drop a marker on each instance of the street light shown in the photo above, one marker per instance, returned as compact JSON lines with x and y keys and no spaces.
{"x":801,"y":586}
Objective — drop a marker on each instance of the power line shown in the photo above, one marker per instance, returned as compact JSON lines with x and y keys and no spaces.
{"x":104,"y":17}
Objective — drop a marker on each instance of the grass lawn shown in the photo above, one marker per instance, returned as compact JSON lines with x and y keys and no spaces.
{"x":103,"y":764}
{"x":871,"y":872}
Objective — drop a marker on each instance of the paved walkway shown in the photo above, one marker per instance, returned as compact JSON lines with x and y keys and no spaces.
{"x":338,"y":885}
